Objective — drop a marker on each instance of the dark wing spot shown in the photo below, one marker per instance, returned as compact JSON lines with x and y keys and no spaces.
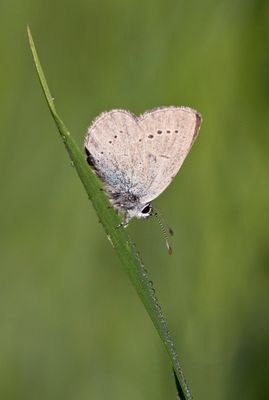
{"x":91,"y":161}
{"x":152,"y":157}
{"x":115,"y":136}
{"x":168,"y":131}
{"x":159,"y":132}
{"x":150,"y":136}
{"x":140,"y":140}
{"x":176,"y":131}
{"x":110,"y":141}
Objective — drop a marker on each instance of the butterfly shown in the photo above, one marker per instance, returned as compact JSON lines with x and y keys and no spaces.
{"x":138,"y":157}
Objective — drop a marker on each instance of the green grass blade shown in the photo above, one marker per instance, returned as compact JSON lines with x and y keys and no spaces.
{"x":117,"y":236}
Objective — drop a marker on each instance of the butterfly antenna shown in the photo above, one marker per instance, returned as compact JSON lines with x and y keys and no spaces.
{"x":164,"y":228}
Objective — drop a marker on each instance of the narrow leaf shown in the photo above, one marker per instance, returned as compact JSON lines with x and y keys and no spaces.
{"x":118,"y":237}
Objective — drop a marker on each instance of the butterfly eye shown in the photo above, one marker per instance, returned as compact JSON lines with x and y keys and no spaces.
{"x":146,"y":209}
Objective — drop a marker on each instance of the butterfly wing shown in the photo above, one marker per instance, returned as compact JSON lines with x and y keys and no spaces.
{"x":115,"y":149}
{"x":170,"y":133}
{"x":141,"y":155}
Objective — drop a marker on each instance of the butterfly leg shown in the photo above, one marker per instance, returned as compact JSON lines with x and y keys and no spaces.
{"x":125,"y":221}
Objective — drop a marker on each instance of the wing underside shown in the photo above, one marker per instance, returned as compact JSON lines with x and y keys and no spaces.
{"x":141,"y":155}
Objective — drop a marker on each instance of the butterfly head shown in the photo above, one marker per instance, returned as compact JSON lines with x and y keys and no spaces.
{"x":140,"y":211}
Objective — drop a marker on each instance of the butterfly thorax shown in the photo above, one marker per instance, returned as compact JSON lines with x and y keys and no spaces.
{"x":128,"y":204}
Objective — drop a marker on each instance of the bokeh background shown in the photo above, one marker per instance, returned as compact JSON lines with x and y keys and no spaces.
{"x":71,"y":324}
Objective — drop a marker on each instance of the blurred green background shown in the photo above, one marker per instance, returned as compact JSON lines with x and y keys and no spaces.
{"x":71,"y":324}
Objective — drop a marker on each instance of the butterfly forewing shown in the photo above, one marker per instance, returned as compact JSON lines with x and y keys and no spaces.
{"x":170,"y":133}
